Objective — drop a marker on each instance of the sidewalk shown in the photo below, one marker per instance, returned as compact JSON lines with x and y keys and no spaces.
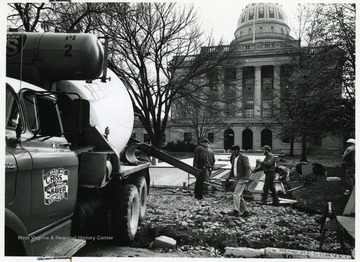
{"x":165,"y":175}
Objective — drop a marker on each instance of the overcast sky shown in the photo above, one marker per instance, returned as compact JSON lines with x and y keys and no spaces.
{"x":221,"y":17}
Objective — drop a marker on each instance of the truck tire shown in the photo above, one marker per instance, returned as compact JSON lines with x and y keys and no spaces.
{"x":13,"y":246}
{"x":125,"y":215}
{"x":140,"y":183}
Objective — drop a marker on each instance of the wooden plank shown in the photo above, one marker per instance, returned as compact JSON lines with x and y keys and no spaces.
{"x":348,"y":223}
{"x":273,"y":252}
{"x":350,"y":205}
{"x":220,"y":175}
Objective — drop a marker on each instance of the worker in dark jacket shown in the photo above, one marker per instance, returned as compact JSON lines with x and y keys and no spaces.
{"x":349,"y":162}
{"x":212,"y":165}
{"x":240,"y":170}
{"x":202,"y":162}
{"x":268,"y":166}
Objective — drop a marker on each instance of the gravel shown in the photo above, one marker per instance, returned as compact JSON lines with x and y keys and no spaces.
{"x":203,"y":228}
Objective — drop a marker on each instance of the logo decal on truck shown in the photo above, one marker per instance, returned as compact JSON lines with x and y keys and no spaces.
{"x":14,"y":44}
{"x":56,"y":185}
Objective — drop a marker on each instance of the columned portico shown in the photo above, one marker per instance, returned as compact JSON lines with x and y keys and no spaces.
{"x":256,"y":75}
{"x":257,"y":92}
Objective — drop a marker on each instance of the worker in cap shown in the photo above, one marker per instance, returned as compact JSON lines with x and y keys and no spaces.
{"x":236,"y":147}
{"x":266,"y":147}
{"x":351,"y":141}
{"x":268,"y":166}
{"x":202,"y":162}
{"x":240,"y":171}
{"x":205,"y":141}
{"x":349,"y":164}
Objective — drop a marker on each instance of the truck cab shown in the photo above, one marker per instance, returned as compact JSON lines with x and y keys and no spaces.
{"x":41,"y":172}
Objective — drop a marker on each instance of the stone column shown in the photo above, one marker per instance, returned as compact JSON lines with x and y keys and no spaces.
{"x":257,"y":92}
{"x":276,"y":86}
{"x":239,"y":92}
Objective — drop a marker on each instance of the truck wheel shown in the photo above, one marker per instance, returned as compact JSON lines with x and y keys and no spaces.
{"x":140,"y":183}
{"x":13,"y":246}
{"x":125,"y":215}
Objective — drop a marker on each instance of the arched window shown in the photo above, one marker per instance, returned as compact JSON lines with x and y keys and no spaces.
{"x":266,"y":137}
{"x":228,"y":138}
{"x":247,"y":139}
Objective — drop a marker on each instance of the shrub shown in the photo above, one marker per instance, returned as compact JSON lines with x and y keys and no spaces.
{"x":179,"y":146}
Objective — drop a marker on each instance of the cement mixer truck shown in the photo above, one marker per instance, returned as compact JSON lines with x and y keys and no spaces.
{"x":70,"y":165}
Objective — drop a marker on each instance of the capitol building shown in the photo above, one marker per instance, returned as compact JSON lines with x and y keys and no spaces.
{"x":261,"y":37}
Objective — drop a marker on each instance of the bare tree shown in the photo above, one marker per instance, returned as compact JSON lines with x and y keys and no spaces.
{"x":155,"y":49}
{"x":54,"y":17}
{"x":213,"y":102}
{"x":27,"y":16}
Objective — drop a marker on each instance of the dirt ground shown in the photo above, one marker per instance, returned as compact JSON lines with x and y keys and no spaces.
{"x":203,"y":228}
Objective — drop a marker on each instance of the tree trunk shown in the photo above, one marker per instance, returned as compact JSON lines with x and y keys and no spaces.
{"x":303,"y":149}
{"x":156,"y":142}
{"x":292,"y":146}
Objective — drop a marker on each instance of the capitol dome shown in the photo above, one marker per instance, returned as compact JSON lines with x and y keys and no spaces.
{"x":267,"y":20}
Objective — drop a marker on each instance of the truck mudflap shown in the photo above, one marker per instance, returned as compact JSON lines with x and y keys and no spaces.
{"x":152,"y":151}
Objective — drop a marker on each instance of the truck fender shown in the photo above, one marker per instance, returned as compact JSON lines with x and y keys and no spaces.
{"x":14,"y":223}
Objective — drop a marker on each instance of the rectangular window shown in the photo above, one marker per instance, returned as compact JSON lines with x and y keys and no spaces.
{"x":249,"y":84}
{"x":31,"y":112}
{"x":146,"y":139}
{"x":251,"y":14}
{"x":285,"y":84}
{"x":230,"y":98}
{"x":267,"y":75}
{"x":249,"y":77}
{"x":12,"y":111}
{"x":280,"y":15}
{"x":42,"y":114}
{"x":267,"y":108}
{"x":249,"y":104}
{"x":187,"y":137}
{"x":249,"y":108}
{"x":213,"y":76}
{"x":249,"y":113}
{"x":211,"y":137}
{"x":271,"y":12}
{"x":267,"y":83}
{"x":261,"y":12}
